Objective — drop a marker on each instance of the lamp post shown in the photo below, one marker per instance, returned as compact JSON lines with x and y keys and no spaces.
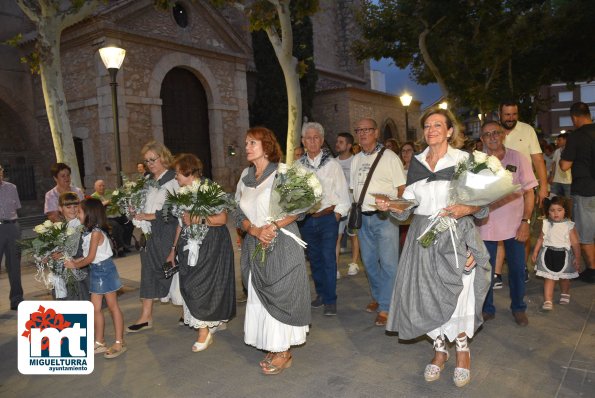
{"x":443,"y":105}
{"x":112,"y":58}
{"x":406,"y":101}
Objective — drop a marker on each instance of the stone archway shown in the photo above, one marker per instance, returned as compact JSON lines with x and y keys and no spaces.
{"x":389,"y":130}
{"x":185,"y":117}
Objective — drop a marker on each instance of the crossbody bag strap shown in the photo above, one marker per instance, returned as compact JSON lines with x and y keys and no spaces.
{"x":369,"y":177}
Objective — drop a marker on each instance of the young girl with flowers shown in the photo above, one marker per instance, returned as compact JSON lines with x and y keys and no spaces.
{"x":104,"y":278}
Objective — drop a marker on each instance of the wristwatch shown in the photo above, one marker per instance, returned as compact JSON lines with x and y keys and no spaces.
{"x":526,"y":220}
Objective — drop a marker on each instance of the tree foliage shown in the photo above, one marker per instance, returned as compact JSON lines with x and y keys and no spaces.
{"x":480,"y":51}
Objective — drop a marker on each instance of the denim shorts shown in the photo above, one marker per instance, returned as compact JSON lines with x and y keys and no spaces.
{"x":583,"y":215}
{"x":104,"y":277}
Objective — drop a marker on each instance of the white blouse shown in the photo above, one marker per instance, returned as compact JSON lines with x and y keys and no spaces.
{"x":156,"y":196}
{"x":433,"y":196}
{"x":254,"y":202}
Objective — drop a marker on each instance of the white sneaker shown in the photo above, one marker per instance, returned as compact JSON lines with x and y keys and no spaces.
{"x":353,"y":269}
{"x":338,"y":275}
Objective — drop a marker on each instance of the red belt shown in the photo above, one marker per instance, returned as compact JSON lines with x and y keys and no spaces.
{"x":324,"y":212}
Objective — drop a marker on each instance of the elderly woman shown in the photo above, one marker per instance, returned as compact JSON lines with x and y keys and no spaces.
{"x":433,"y":295}
{"x":208,"y":287}
{"x":61,"y":173}
{"x":153,"y":283}
{"x":278,"y":307}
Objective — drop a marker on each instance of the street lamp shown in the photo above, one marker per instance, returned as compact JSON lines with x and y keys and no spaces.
{"x":406,"y":101}
{"x":443,"y":105}
{"x":112,"y":58}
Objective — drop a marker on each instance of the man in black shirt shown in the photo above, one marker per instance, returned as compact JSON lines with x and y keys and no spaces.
{"x":579,"y":156}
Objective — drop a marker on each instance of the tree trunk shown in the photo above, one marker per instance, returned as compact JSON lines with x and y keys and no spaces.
{"x":423,"y":48}
{"x":284,"y":50}
{"x":55,"y":101}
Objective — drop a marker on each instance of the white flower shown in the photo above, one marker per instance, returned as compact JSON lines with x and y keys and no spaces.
{"x":184,"y":190}
{"x":116,"y":192}
{"x":129,"y":185}
{"x":300,"y":171}
{"x":70,"y":231}
{"x":282,"y":168}
{"x":480,"y":157}
{"x":40,"y":229}
{"x":314,"y":183}
{"x":58,"y":225}
{"x":48,"y":224}
{"x":494,"y":163}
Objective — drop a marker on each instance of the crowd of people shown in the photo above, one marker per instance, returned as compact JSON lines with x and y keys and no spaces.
{"x":420,"y":291}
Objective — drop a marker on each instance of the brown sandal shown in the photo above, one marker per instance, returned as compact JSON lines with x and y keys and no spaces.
{"x":113,"y":352}
{"x":272,"y":369}
{"x":267,"y":360}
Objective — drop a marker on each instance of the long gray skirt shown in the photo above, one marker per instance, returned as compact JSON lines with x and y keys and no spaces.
{"x":428,"y":282}
{"x":208,"y":288}
{"x":281,"y":282}
{"x":152,"y":279}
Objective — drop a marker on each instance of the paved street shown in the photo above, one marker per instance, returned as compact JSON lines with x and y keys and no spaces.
{"x":345,"y":356}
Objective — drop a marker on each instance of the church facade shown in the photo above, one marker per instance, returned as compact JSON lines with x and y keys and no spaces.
{"x":185,"y":81}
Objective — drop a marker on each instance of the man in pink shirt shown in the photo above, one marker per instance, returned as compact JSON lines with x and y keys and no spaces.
{"x":509,"y":221}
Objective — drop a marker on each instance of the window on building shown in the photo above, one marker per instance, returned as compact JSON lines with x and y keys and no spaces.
{"x":588,"y":93}
{"x":180,"y":15}
{"x":565,"y":96}
{"x":565,"y":121}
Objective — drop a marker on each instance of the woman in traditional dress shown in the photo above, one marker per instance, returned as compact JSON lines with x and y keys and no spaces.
{"x":433,"y":295}
{"x":153,"y":283}
{"x":278,"y":307}
{"x":208,"y":287}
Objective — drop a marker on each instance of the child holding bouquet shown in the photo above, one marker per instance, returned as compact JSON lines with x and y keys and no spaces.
{"x":557,"y":252}
{"x":104,"y":279}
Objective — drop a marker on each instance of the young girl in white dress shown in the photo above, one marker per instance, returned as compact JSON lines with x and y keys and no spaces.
{"x":104,"y":278}
{"x":557,"y":252}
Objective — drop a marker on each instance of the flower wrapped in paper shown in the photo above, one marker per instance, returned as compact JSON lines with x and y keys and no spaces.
{"x":53,"y":238}
{"x":130,"y":200}
{"x":478,"y":181}
{"x":295,"y":191}
{"x":202,"y":198}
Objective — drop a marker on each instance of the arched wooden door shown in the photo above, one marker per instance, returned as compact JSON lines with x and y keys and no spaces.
{"x":185,"y":116}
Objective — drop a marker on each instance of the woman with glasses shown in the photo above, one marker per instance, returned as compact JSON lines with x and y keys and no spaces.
{"x":153,"y":284}
{"x":433,"y":294}
{"x":406,"y":154}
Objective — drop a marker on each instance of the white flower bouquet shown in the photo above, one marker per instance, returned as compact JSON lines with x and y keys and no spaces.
{"x":477,"y":181}
{"x":130,"y":199}
{"x":202,"y":198}
{"x":295,"y":191}
{"x":55,"y":238}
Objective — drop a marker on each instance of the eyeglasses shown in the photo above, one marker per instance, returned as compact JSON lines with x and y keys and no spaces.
{"x":151,"y":161}
{"x":364,"y":130}
{"x":491,"y":134}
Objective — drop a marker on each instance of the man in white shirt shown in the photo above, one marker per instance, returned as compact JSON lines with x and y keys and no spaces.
{"x":379,"y":234}
{"x":522,"y":138}
{"x":320,"y":228}
{"x":343,"y":147}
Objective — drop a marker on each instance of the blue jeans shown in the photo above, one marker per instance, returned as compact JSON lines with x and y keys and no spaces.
{"x":321,"y":236}
{"x":560,"y":189}
{"x":379,"y":247}
{"x":515,"y":258}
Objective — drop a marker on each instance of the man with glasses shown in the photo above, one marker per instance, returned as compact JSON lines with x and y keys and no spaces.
{"x":379,"y":234}
{"x":508,"y":221}
{"x":10,"y":232}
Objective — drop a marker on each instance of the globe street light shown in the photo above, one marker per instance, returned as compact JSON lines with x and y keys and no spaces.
{"x":406,"y":101}
{"x":443,"y":105}
{"x":112,"y":58}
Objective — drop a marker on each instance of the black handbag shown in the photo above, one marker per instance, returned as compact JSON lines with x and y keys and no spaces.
{"x":355,"y":216}
{"x":355,"y":213}
{"x":170,"y":269}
